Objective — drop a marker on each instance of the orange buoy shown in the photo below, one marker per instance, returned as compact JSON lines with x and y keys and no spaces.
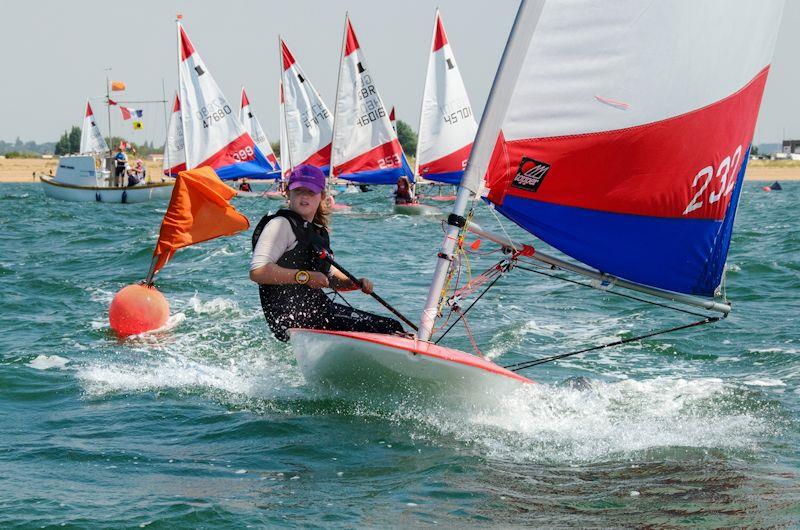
{"x":136,"y":309}
{"x":766,"y":188}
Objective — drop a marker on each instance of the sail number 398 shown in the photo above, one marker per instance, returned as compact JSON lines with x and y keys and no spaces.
{"x":725,"y":180}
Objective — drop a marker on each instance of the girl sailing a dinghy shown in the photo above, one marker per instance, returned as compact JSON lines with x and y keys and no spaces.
{"x":290,"y":273}
{"x":404,"y":194}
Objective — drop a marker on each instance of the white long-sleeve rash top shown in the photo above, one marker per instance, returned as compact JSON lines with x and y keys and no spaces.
{"x":276,"y":238}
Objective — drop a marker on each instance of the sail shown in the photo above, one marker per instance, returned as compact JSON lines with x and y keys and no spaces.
{"x":619,"y":132}
{"x":92,"y":140}
{"x":212,"y":133}
{"x":253,"y":127}
{"x":447,"y":125}
{"x":365,"y":147}
{"x":174,"y":156}
{"x":309,"y":123}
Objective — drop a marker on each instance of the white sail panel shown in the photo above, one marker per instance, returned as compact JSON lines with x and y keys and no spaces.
{"x":253,"y":127}
{"x":213,"y":134}
{"x":92,"y":140}
{"x":447,"y":125}
{"x":620,"y":131}
{"x":174,"y":156}
{"x":365,"y":146}
{"x":309,"y":123}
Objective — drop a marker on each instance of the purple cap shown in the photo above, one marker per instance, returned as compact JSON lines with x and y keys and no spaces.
{"x":305,"y":176}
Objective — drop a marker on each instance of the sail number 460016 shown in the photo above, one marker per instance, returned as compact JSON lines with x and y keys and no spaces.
{"x":726,"y":176}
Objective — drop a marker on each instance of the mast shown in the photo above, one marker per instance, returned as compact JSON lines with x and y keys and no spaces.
{"x":508,"y":71}
{"x":166,"y":126}
{"x":108,"y":107}
{"x":422,"y":102}
{"x":282,"y":110}
{"x":336,"y":101}
{"x":180,"y":94}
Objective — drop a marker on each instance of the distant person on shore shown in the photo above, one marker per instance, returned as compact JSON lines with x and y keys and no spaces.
{"x":120,"y":164}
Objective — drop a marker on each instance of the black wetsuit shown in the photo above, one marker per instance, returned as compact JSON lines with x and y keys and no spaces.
{"x":403,"y":197}
{"x":301,"y":306}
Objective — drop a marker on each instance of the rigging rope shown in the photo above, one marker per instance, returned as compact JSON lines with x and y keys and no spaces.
{"x":516,"y":367}
{"x":528,"y":364}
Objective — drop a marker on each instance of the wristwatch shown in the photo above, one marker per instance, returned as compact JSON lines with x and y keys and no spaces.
{"x":302,"y":277}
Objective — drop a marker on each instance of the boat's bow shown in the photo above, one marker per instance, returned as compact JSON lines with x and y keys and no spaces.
{"x":354,"y":360}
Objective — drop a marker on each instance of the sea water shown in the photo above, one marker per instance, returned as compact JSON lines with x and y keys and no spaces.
{"x":209,"y":422}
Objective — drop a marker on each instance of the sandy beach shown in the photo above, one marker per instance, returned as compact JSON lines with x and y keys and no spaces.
{"x":22,"y":169}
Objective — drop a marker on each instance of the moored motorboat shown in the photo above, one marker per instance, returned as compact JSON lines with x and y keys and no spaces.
{"x":79,"y":179}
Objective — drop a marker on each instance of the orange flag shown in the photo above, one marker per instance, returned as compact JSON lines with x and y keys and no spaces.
{"x":117,"y":85}
{"x":198,"y":211}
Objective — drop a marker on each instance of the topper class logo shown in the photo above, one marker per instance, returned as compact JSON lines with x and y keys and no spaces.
{"x":530,"y":174}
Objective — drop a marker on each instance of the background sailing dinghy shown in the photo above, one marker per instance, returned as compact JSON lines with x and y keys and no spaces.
{"x":277,"y":192}
{"x":213,"y":135}
{"x":253,"y":127}
{"x":638,"y":175}
{"x":447,"y":125}
{"x":365,"y":149}
{"x":86,"y":177}
{"x":307,"y":122}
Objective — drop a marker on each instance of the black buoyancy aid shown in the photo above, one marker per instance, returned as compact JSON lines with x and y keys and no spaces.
{"x":281,"y":302}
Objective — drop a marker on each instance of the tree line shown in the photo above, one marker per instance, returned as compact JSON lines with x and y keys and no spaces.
{"x":70,"y":142}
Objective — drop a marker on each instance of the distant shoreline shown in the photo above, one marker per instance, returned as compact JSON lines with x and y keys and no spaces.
{"x":22,"y":169}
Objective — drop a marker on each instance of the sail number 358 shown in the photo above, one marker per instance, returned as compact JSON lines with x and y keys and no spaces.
{"x":725,"y":176}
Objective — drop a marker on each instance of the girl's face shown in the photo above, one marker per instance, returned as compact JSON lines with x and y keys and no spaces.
{"x":305,"y":202}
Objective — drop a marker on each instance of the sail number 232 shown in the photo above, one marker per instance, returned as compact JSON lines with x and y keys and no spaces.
{"x":725,"y":180}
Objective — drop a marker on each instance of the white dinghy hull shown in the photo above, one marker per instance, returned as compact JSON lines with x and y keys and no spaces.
{"x":416,"y":209}
{"x":362,"y":361}
{"x":71,"y":192}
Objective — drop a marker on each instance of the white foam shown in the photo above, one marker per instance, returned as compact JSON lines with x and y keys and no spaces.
{"x":46,"y":362}
{"x":609,"y":420}
{"x":215,"y":305}
{"x":179,"y":373}
{"x":764,"y":382}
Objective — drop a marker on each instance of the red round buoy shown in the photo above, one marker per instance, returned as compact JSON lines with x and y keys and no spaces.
{"x":136,"y":309}
{"x":766,"y":188}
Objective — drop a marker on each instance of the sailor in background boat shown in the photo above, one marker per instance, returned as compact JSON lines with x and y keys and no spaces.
{"x":120,"y":166}
{"x":244,"y":186}
{"x":291,"y":274}
{"x":137,"y":174}
{"x":403,"y":194}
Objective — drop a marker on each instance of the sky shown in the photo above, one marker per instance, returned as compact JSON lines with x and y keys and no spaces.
{"x":55,"y":54}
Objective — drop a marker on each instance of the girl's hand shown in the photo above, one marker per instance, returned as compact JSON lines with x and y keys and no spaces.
{"x":366,"y":285}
